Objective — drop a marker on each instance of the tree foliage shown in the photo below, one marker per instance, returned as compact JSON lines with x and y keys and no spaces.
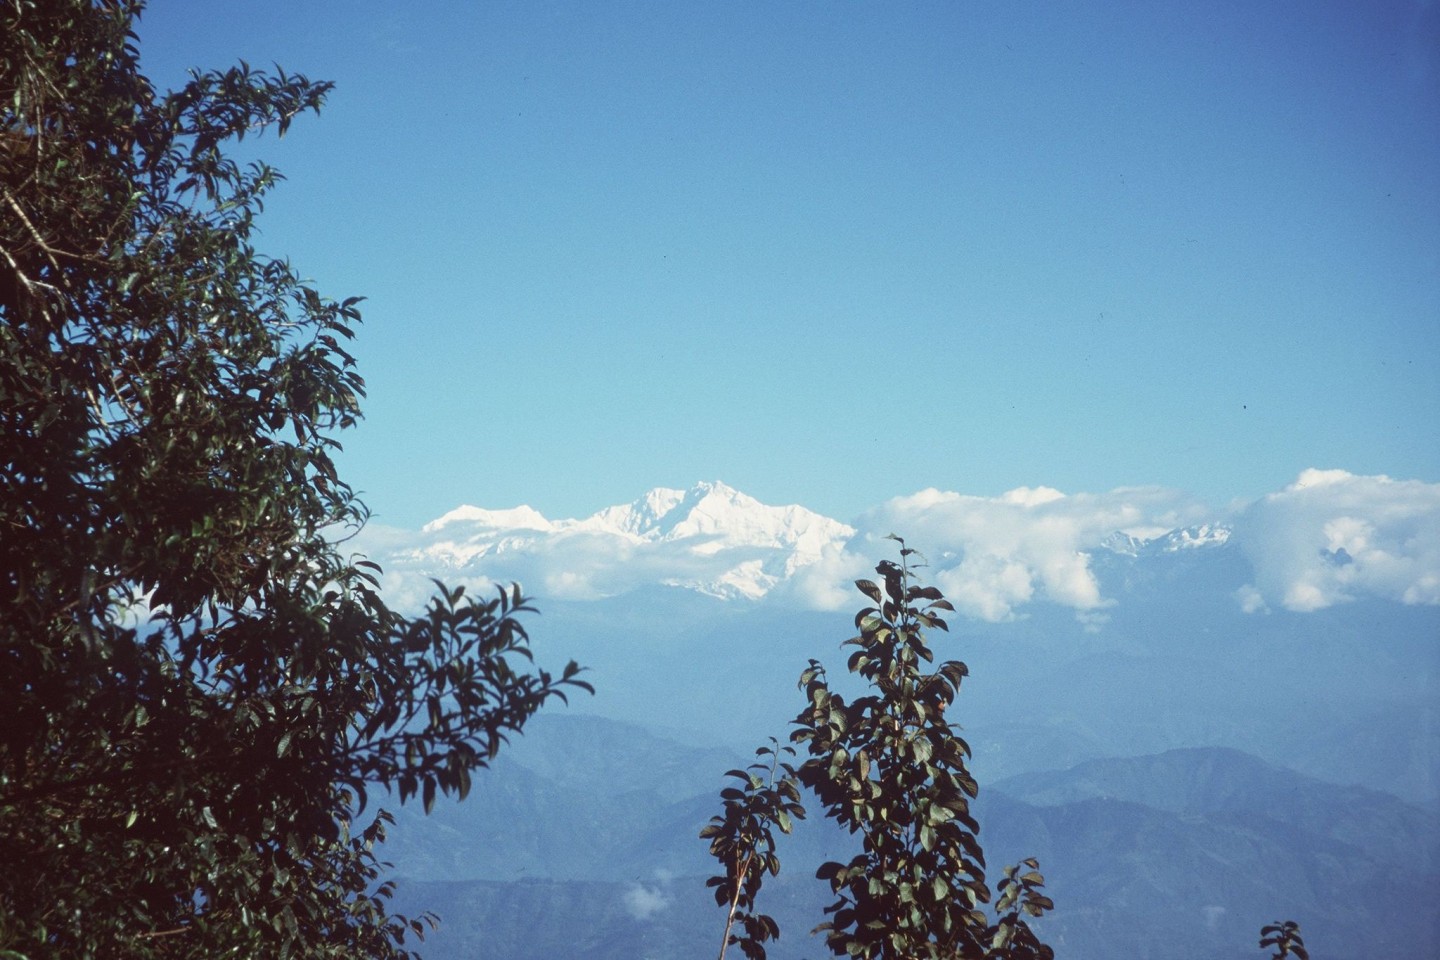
{"x":890,"y":767}
{"x":1285,"y":937}
{"x":197,"y":684}
{"x":742,"y":838}
{"x":1018,"y":897}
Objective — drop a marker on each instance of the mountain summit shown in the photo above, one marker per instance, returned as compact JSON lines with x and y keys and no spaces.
{"x":1301,"y":549}
{"x":716,"y":540}
{"x":710,"y":538}
{"x":721,"y":515}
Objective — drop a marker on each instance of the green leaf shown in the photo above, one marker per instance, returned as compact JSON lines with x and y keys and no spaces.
{"x":870,"y":589}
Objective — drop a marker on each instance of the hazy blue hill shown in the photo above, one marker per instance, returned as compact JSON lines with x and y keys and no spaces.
{"x":1349,"y":694}
{"x":514,"y":825}
{"x":569,"y":800}
{"x":1174,"y":662}
{"x":703,"y":670}
{"x":1394,"y":746}
{"x":576,"y":845}
{"x":1003,"y":748}
{"x":559,"y":920}
{"x":611,"y":758}
{"x":1132,"y":881}
{"x":601,"y":809}
{"x":671,"y":844}
{"x":1204,"y":780}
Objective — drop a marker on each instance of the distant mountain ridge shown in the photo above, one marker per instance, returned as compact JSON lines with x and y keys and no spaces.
{"x":1181,"y":855}
{"x":1212,"y":780}
{"x":1296,"y":629}
{"x":710,"y":538}
{"x":708,"y":510}
{"x":673,"y":598}
{"x":1181,"y":538}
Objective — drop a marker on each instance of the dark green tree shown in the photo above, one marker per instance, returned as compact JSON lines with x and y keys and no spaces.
{"x":1285,"y":937}
{"x":1018,"y":897}
{"x":742,"y":838}
{"x":197,"y":684}
{"x":891,"y":768}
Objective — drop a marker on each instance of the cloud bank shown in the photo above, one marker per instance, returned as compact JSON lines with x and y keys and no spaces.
{"x":1328,"y":538}
{"x":643,"y":902}
{"x":992,"y":555}
{"x":1331,"y":537}
{"x":710,"y":538}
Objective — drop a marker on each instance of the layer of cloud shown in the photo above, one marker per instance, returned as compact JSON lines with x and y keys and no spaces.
{"x":992,"y":555}
{"x":1333,"y":536}
{"x":643,"y":902}
{"x":710,"y":538}
{"x":575,"y":565}
{"x":1327,"y":538}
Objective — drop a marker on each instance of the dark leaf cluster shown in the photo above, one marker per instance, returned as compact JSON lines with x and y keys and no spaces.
{"x":1018,"y":896}
{"x":198,"y":686}
{"x":890,"y":767}
{"x":742,"y":838}
{"x":1284,"y":937}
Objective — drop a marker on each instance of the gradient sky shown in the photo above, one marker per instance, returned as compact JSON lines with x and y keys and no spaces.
{"x":831,"y":253}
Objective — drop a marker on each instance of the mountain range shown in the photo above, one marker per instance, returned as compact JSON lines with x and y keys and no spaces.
{"x":710,"y":538}
{"x":575,"y":847}
{"x":1328,"y":539}
{"x":714,"y":539}
{"x":1200,"y":721}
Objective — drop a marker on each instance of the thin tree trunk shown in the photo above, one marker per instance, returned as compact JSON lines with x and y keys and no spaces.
{"x":734,"y":904}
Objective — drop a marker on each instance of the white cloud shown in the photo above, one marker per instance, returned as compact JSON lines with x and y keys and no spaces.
{"x":1333,"y":536}
{"x":1327,"y":538}
{"x":992,"y":555}
{"x":1032,"y":496}
{"x":711,"y":538}
{"x":1251,"y":600}
{"x":643,"y":902}
{"x":828,"y":583}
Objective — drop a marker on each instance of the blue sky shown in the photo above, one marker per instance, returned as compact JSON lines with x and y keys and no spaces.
{"x":835,"y":253}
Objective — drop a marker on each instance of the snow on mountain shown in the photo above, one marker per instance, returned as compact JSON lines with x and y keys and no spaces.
{"x":719,"y":541}
{"x":639,"y":518}
{"x":1205,"y":535}
{"x":519,"y":518}
{"x":716,"y":517}
{"x":1171,"y":541}
{"x":1124,"y":544}
{"x":992,"y":556}
{"x":710,"y":538}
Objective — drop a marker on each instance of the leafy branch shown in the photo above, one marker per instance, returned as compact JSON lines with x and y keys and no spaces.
{"x":742,"y":838}
{"x":1285,"y":937}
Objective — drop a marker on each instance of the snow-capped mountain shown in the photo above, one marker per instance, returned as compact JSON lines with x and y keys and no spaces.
{"x":722,"y":517}
{"x":710,"y":538}
{"x":1184,"y":538}
{"x":993,"y":556}
{"x":1204,"y":535}
{"x":711,"y":511}
{"x":1124,"y":544}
